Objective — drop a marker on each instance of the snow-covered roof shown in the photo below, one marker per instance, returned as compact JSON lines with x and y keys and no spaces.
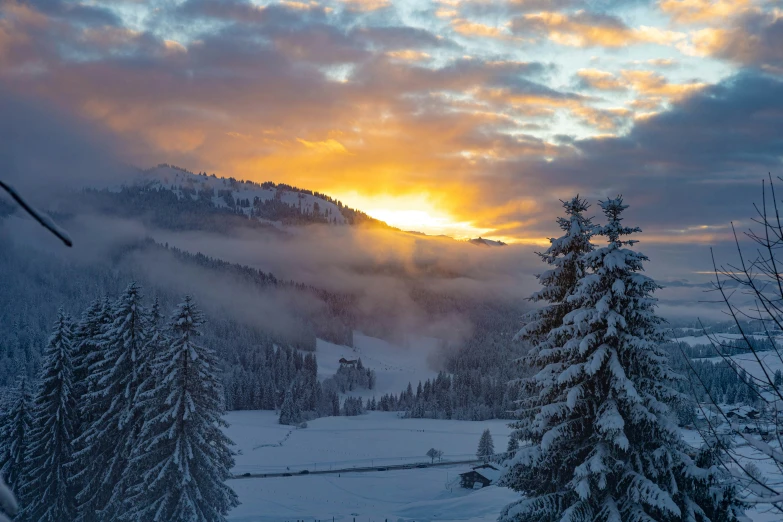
{"x":487,"y":471}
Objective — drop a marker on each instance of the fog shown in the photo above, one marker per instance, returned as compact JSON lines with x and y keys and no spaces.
{"x":49,"y":154}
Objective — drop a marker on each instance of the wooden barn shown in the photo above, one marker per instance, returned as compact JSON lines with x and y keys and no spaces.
{"x":479,"y":477}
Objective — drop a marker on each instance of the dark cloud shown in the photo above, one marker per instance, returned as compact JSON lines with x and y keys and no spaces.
{"x":46,"y":151}
{"x":755,"y":39}
{"x":700,"y":163}
{"x":246,"y":12}
{"x":80,"y":13}
{"x":401,"y":37}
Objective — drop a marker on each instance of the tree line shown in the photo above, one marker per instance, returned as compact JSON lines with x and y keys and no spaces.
{"x":125,"y":421}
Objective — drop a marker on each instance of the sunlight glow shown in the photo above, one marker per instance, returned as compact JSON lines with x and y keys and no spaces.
{"x":415,"y":213}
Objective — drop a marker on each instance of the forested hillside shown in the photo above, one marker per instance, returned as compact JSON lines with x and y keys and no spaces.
{"x":174,"y":198}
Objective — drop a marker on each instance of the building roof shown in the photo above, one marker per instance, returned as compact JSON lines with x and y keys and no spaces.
{"x":487,"y":471}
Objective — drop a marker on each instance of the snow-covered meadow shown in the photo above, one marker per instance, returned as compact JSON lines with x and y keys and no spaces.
{"x":375,"y":439}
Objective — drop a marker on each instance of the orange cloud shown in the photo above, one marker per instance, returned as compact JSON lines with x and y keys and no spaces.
{"x":328,"y":146}
{"x":607,"y":120}
{"x":584,"y":29}
{"x":468,"y":28}
{"x":652,"y":83}
{"x":410,"y":55}
{"x":366,"y":5}
{"x":601,"y":80}
{"x":703,"y":11}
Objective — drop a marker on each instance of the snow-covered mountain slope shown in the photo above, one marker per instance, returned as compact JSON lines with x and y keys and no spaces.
{"x":224,"y":191}
{"x":395,"y":366}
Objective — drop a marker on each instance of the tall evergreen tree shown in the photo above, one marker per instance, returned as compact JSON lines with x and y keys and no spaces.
{"x":603,"y":447}
{"x":513,"y":444}
{"x":289,"y":412}
{"x":104,"y":447}
{"x":46,"y":491}
{"x":486,"y":446}
{"x":182,"y":458}
{"x":565,"y":255}
{"x":85,"y":348}
{"x":16,"y":432}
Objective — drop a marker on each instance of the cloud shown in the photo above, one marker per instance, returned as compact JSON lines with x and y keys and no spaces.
{"x":601,"y":80}
{"x":401,"y":37}
{"x":712,"y":145}
{"x":608,"y":120}
{"x":46,"y":150}
{"x":470,"y":28}
{"x":394,"y":102}
{"x":703,"y":11}
{"x":588,"y":29}
{"x":754,"y":39}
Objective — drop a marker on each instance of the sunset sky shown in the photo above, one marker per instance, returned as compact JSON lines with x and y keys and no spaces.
{"x":454,"y":116}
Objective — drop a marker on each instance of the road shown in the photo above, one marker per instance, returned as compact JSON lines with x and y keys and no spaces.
{"x":356,"y":470}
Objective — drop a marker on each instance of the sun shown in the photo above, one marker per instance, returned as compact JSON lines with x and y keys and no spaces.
{"x":415,"y":213}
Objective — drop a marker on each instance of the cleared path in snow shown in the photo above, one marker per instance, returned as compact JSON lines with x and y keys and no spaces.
{"x":356,"y":470}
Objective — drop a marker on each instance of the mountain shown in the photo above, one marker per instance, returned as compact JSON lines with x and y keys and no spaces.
{"x":171,"y":197}
{"x":480,"y":241}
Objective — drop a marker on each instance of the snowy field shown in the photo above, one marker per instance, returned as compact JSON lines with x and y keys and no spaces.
{"x":381,"y":439}
{"x":378,"y":438}
{"x":375,"y":439}
{"x":700,"y":340}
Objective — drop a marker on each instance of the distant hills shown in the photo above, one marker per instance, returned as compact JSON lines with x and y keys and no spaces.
{"x":480,"y":241}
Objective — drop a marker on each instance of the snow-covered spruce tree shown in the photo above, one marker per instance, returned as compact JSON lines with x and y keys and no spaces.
{"x":182,"y":458}
{"x":290,"y":413}
{"x":486,"y":446}
{"x":46,"y":492}
{"x":104,"y":447}
{"x":85,"y":348}
{"x":603,"y":446}
{"x":513,"y":445}
{"x":566,"y":257}
{"x":16,"y":432}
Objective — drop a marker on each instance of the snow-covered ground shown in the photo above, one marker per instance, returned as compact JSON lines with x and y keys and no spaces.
{"x":698,"y":340}
{"x":377,"y":439}
{"x":395,"y":366}
{"x":397,"y":495}
{"x":770,"y":362}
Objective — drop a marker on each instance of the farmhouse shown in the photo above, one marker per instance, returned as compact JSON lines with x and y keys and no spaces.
{"x":345,"y":361}
{"x":479,"y":477}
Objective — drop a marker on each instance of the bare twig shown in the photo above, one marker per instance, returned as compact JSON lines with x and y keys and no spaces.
{"x":40,"y":217}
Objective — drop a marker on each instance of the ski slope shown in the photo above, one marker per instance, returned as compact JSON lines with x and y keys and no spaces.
{"x":395,"y":365}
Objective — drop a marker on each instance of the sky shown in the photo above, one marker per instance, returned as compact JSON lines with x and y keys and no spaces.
{"x":457,"y":117}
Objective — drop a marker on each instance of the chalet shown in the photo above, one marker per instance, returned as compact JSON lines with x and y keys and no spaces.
{"x":479,"y":477}
{"x":345,"y":361}
{"x":742,"y":413}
